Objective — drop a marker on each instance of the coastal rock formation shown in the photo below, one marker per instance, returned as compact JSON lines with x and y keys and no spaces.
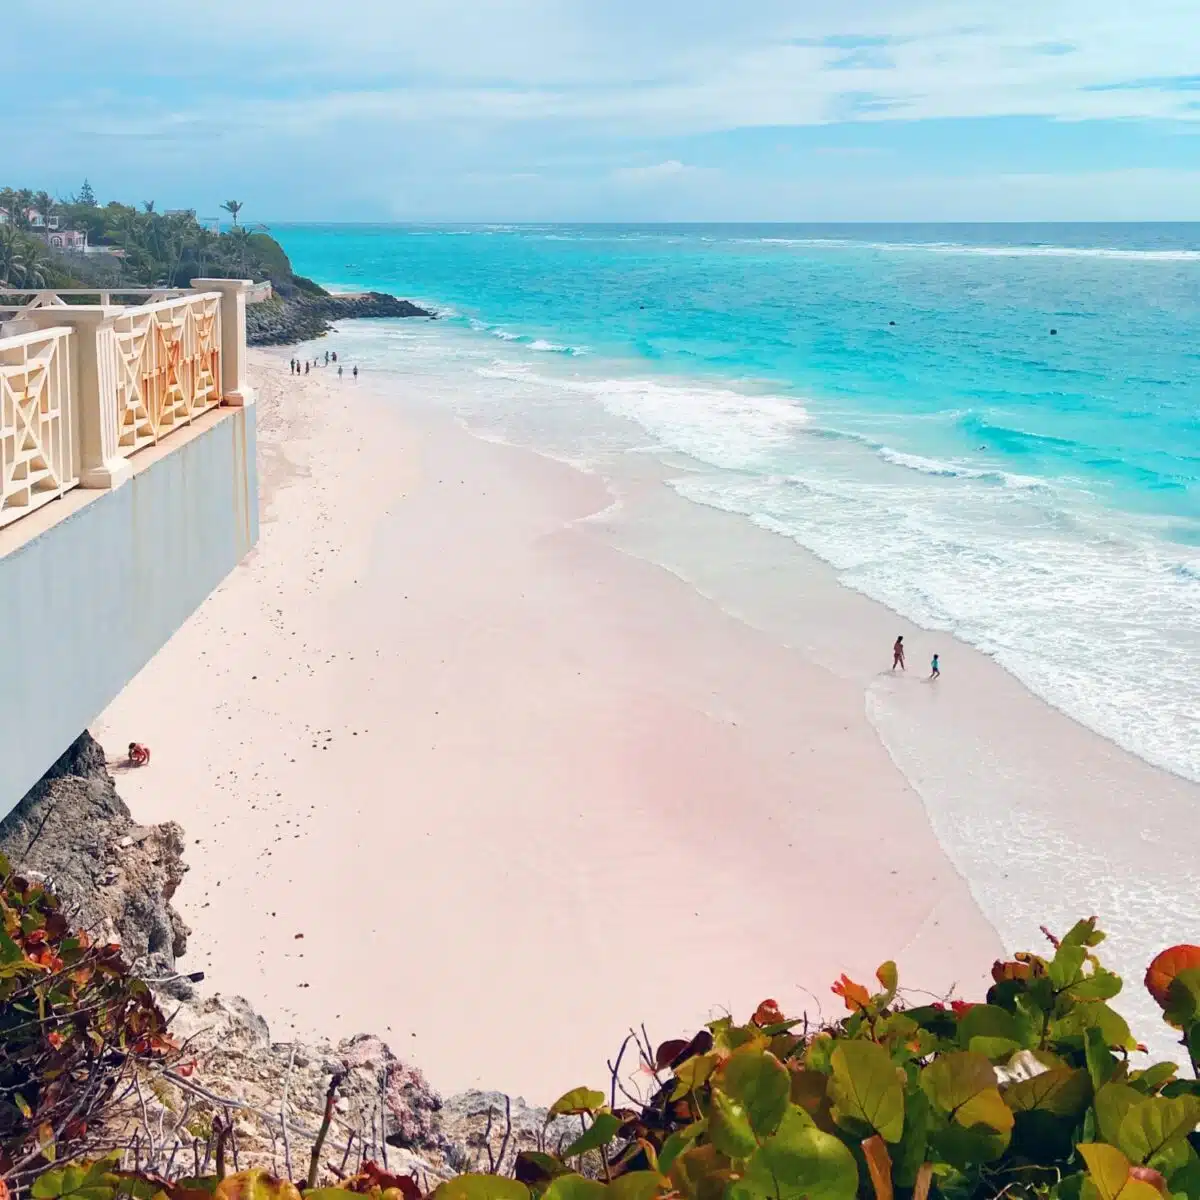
{"x":302,"y":316}
{"x":385,"y":1109}
{"x":115,"y":877}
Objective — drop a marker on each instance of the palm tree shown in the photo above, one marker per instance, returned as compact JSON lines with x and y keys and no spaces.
{"x":233,"y":207}
{"x":20,"y":260}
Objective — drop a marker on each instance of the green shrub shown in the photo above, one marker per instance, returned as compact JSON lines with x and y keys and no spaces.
{"x":1030,"y":1093}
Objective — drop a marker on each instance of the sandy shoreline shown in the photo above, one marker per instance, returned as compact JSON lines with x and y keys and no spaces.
{"x":515,"y":788}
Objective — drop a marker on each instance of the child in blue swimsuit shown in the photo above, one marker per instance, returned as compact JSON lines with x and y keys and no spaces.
{"x":936,"y":672}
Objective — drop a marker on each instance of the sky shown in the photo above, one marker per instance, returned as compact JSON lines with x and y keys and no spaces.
{"x":612,"y":110}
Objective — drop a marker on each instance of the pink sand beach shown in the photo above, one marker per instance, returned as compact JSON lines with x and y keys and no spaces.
{"x":460,"y":766}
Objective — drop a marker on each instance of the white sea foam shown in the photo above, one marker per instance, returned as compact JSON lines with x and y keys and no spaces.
{"x":1176,"y":255}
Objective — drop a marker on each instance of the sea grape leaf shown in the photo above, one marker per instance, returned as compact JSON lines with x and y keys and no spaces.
{"x":693,"y":1073}
{"x":953,"y":1079}
{"x":256,"y":1185}
{"x":1101,"y":1062}
{"x":481,"y":1187}
{"x":1112,"y":1102}
{"x":574,"y":1187}
{"x":1152,"y":1079}
{"x":677,"y":1143}
{"x":1061,"y":1091}
{"x":701,"y":1173}
{"x":1183,"y":998}
{"x":761,"y":1084}
{"x":577,"y":1100}
{"x":909,"y":1153}
{"x":1066,"y":966}
{"x":729,"y":1126}
{"x":637,"y":1185}
{"x":1083,"y":933}
{"x":531,"y":1167}
{"x":1094,"y":1015}
{"x":810,"y":1090}
{"x":1108,"y":1173}
{"x":1154,"y":1123}
{"x":78,"y":1181}
{"x":989,"y":1021}
{"x":601,"y":1131}
{"x":867,"y":1091}
{"x":799,"y":1163}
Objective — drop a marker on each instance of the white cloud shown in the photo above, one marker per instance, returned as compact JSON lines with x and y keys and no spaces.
{"x":657,"y":174}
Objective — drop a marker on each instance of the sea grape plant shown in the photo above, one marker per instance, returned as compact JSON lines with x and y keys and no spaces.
{"x":1038,"y":1091}
{"x":74,"y":1021}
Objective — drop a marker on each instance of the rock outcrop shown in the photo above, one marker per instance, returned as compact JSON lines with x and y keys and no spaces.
{"x":116,"y":879}
{"x":114,"y":876}
{"x":286,"y":320}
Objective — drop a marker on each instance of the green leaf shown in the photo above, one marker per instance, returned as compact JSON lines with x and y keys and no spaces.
{"x":78,"y":1181}
{"x":1095,"y":1015}
{"x":677,"y":1143}
{"x":989,"y":1021}
{"x":10,"y":953}
{"x":601,"y":1131}
{"x":866,"y":1089}
{"x":1083,"y":933}
{"x":693,"y":1073}
{"x":1099,"y":985}
{"x":1152,"y":1079}
{"x":1154,"y":1123}
{"x":889,"y":977}
{"x":761,"y":1084}
{"x":953,"y":1079}
{"x":577,"y":1100}
{"x":1183,"y":998}
{"x":255,"y":1184}
{"x":637,"y":1185}
{"x":531,"y":1167}
{"x":799,"y":1163}
{"x":573,"y":1187}
{"x":1185,"y":1180}
{"x":910,"y":1151}
{"x":1061,"y":1091}
{"x":1112,"y":1102}
{"x":729,"y":1126}
{"x":1066,"y":966}
{"x":1101,"y":1062}
{"x":482,"y":1187}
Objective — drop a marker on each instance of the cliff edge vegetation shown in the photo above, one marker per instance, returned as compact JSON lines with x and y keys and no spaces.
{"x":78,"y":243}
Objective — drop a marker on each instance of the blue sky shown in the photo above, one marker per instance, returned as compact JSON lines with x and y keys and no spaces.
{"x":613,"y":109}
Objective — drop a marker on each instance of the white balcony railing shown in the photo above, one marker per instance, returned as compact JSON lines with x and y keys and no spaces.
{"x":83,"y":385}
{"x":37,"y":444}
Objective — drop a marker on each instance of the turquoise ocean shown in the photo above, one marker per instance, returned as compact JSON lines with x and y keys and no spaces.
{"x":994,"y":430}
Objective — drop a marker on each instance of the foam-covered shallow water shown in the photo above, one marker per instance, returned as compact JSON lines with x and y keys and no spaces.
{"x":994,"y":430}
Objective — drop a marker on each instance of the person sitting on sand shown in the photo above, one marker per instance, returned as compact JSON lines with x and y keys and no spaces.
{"x":935,"y":671}
{"x":139,"y":755}
{"x":898,"y":654}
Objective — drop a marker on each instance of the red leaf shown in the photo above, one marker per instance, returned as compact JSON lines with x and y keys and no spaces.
{"x":767,"y":1013}
{"x":960,"y":1007}
{"x":854,"y":994}
{"x":668,"y":1052}
{"x":1166,"y":966}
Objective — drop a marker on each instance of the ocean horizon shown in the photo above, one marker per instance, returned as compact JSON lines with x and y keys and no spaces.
{"x":992,"y":429}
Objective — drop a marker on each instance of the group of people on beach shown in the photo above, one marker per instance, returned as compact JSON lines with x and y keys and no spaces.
{"x":303,"y":368}
{"x":898,"y":659}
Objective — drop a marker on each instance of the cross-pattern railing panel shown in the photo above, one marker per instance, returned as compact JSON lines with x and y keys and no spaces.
{"x":37,"y":448}
{"x":168,"y":366}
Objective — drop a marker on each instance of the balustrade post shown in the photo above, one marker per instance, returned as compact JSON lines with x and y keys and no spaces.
{"x":93,"y":389}
{"x":235,"y":386}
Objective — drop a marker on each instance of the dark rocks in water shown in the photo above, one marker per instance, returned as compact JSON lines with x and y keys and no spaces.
{"x":303,"y":316}
{"x":114,"y":876}
{"x":1053,"y":332}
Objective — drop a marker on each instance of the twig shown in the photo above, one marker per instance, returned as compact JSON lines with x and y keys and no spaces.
{"x":487,"y":1142}
{"x":314,"y":1165}
{"x":613,"y":1069}
{"x":384,"y":1079}
{"x":283,"y":1121}
{"x":507,"y":1131}
{"x":222,"y":1132}
{"x":346,"y":1156}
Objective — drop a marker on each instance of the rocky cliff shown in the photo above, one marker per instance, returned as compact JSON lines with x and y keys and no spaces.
{"x":302,"y":316}
{"x":116,"y":877}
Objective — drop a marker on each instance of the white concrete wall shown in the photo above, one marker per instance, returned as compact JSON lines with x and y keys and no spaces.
{"x":90,"y":600}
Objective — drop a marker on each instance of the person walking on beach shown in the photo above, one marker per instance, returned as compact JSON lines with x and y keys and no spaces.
{"x":898,"y":654}
{"x":935,"y":670}
{"x":335,"y":356}
{"x":339,"y":372}
{"x":306,"y":365}
{"x":355,"y":372}
{"x":327,"y":358}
